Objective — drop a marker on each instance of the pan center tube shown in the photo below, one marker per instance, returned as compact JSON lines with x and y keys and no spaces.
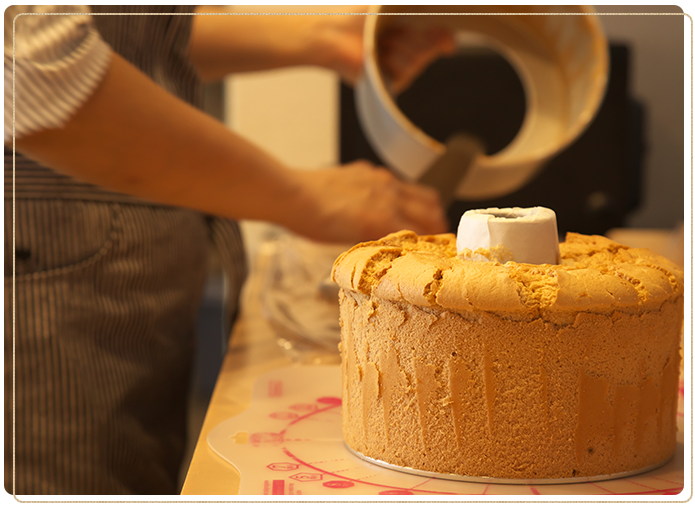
{"x":523,"y":235}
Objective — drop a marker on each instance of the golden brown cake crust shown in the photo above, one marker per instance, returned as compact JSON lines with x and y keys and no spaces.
{"x":596,"y":275}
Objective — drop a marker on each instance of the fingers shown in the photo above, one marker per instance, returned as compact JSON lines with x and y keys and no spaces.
{"x":337,"y":43}
{"x":361,"y":202}
{"x":363,"y":164}
{"x":406,"y":205}
{"x":442,"y":38}
{"x":404,"y":51}
{"x":421,"y":207}
{"x":348,"y":62}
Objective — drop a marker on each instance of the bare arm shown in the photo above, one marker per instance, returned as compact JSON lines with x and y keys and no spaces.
{"x":224,"y":44}
{"x":133,"y":137}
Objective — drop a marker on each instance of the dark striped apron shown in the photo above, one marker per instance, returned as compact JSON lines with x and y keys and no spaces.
{"x":106,"y":293}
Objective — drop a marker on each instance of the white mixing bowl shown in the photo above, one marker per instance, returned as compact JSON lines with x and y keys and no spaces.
{"x":561,"y":56}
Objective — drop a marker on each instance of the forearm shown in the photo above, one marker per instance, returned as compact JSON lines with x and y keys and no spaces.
{"x":227,"y":43}
{"x":133,"y":137}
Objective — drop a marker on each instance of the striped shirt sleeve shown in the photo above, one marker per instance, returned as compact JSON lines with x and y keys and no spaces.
{"x":59,"y":60}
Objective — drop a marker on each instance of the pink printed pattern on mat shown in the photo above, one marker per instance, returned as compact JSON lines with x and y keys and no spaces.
{"x":275,"y":389}
{"x":293,"y":439}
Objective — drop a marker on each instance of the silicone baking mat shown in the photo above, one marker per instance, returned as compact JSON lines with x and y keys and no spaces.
{"x":289,"y":442}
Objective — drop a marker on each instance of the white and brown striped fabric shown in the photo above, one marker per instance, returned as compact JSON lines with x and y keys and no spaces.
{"x":58,"y":62}
{"x":106,"y":292}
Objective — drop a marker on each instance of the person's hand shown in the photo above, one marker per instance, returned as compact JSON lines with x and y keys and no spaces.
{"x":404,"y":50}
{"x":157,"y":147}
{"x":360,"y":202}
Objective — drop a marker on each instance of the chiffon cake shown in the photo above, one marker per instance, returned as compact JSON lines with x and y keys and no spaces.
{"x":465,"y":365}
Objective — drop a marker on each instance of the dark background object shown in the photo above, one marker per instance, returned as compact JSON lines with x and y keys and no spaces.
{"x":592,"y":185}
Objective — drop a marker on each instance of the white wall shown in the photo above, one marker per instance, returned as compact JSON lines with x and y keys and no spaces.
{"x":292,"y":113}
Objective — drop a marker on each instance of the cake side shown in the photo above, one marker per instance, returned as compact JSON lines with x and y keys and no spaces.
{"x":501,"y":398}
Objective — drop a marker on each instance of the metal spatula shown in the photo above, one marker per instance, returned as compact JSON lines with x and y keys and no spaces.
{"x":451,"y":167}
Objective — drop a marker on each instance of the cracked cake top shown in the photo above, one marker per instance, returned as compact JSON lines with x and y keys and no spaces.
{"x":595,"y":275}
